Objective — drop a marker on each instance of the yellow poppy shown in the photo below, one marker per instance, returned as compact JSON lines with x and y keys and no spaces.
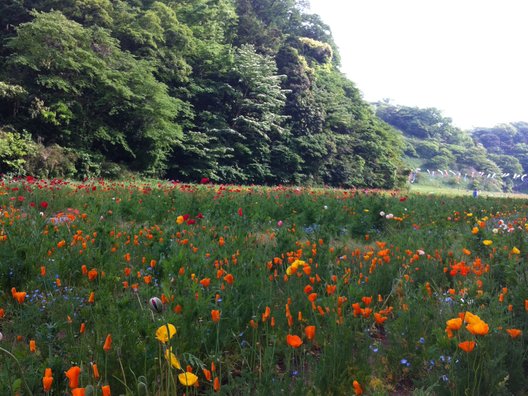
{"x":165,"y":332}
{"x":187,"y":379}
{"x":171,"y":357}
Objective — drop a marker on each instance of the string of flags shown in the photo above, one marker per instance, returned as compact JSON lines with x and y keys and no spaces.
{"x":472,"y":175}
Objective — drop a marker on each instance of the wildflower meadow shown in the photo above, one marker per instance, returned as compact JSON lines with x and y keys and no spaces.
{"x":163,"y":288}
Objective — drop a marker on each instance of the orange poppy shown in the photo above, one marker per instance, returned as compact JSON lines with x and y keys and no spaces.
{"x":95,"y":371}
{"x":92,"y":274}
{"x":216,"y":384}
{"x":207,"y":374}
{"x":215,"y":315}
{"x":454,"y":324}
{"x":205,"y":282}
{"x":73,"y":376}
{"x":106,"y":390}
{"x":266,"y":314}
{"x":309,"y":331}
{"x":229,"y":279}
{"x":467,"y":346}
{"x":19,"y":297}
{"x":478,"y":328}
{"x":294,"y":341}
{"x":357,"y":388}
{"x":366,"y":300}
{"x":78,"y":392}
{"x":379,"y":318}
{"x":47,"y":380}
{"x":108,"y":343}
{"x":32,"y":346}
{"x":514,"y":333}
{"x":330,"y":289}
{"x":91,"y":299}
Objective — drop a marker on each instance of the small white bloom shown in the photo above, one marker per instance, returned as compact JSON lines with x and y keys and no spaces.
{"x":389,"y":216}
{"x":382,"y":213}
{"x":495,"y":231}
{"x":1,"y":336}
{"x":420,"y":252}
{"x":326,"y":207}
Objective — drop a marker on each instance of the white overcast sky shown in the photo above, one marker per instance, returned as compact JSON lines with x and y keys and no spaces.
{"x":468,"y":58}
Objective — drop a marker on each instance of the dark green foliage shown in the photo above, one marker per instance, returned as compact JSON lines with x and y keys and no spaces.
{"x":238,"y":91}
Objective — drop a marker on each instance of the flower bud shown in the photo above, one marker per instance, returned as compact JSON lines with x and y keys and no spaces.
{"x":156,"y":305}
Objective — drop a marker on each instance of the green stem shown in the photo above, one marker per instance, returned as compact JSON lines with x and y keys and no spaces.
{"x":20,"y":368}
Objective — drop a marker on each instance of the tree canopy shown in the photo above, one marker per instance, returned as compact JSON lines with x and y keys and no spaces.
{"x":239,"y":91}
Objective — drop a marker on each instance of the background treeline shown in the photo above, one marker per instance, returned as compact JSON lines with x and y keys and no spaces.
{"x":241,"y":91}
{"x":431,"y":141}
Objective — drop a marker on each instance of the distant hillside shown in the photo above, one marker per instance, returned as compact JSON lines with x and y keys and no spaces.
{"x":492,"y":159}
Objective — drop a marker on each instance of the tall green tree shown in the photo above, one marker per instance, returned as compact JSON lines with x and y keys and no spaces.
{"x":90,"y":94}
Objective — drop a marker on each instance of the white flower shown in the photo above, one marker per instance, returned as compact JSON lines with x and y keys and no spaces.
{"x":1,"y":336}
{"x":326,"y":207}
{"x":495,"y":231}
{"x":389,"y":216}
{"x":420,"y":252}
{"x":382,"y":213}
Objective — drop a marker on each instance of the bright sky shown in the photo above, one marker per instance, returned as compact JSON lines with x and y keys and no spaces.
{"x":468,"y":58}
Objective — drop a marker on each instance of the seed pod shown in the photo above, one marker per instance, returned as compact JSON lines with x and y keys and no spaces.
{"x":156,"y":305}
{"x":89,"y":390}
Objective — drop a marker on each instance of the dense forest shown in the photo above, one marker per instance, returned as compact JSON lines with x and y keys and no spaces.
{"x":236,"y":91}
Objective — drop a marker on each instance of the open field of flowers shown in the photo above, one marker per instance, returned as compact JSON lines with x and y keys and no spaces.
{"x":160,"y":288}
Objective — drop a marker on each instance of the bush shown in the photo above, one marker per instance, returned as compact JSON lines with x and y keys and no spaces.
{"x":14,"y":149}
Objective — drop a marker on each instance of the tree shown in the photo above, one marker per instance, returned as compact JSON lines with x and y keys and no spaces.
{"x":256,"y":113}
{"x":89,"y":94}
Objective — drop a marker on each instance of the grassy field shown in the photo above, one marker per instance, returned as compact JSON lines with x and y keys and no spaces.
{"x":450,"y":191}
{"x":160,"y":288}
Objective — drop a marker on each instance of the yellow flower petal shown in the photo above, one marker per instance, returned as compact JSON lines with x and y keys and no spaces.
{"x":171,"y":357}
{"x":487,"y":242}
{"x":187,"y":379}
{"x":165,"y":332}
